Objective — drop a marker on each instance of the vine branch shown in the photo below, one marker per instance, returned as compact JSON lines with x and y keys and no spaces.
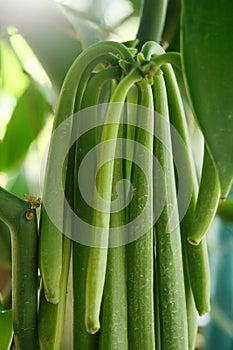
{"x":22,"y":222}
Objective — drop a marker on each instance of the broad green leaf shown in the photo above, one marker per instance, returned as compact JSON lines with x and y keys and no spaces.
{"x":207,"y":55}
{"x":6,"y":329}
{"x":26,"y":122}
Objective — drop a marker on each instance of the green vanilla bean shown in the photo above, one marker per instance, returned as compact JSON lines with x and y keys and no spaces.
{"x":132,"y":100}
{"x":140,"y":251}
{"x":96,"y":84}
{"x":50,"y":235}
{"x":225,"y":209}
{"x":50,"y":258}
{"x":151,"y":48}
{"x":98,"y":256}
{"x":156,"y":306}
{"x":178,"y":120}
{"x":199,"y":275}
{"x":196,"y":260}
{"x":207,"y":201}
{"x":52,"y":316}
{"x":22,"y":222}
{"x":190,"y":308}
{"x":171,"y":27}
{"x":152,"y":21}
{"x":108,"y":61}
{"x":113,"y":332}
{"x":114,"y":320}
{"x":82,"y":339}
{"x":172,"y":303}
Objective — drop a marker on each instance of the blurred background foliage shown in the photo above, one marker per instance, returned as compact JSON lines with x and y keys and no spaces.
{"x":39,"y":39}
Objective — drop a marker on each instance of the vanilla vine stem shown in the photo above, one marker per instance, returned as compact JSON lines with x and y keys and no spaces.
{"x":21,"y":220}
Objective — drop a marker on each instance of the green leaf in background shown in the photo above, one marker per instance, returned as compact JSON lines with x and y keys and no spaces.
{"x":13,"y":79}
{"x":26,"y":122}
{"x":20,"y":183}
{"x":97,"y":20}
{"x":47,"y":31}
{"x":137,"y":6}
{"x":207,"y":55}
{"x":6,"y":329}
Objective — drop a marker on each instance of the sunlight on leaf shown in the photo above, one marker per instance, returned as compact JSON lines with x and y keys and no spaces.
{"x":7,"y":104}
{"x":13,"y":79}
{"x":29,"y":61}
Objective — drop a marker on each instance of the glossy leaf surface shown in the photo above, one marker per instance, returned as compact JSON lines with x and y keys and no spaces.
{"x":207,"y":55}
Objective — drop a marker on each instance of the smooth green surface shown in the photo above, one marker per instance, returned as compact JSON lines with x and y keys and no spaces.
{"x":225,"y":210}
{"x":5,"y":246}
{"x":140,"y":258}
{"x":152,"y":21}
{"x":51,"y":316}
{"x":171,"y":289}
{"x":207,"y":201}
{"x":6,"y":329}
{"x":114,"y":312}
{"x":81,"y":338}
{"x":207,"y":56}
{"x":98,"y":256}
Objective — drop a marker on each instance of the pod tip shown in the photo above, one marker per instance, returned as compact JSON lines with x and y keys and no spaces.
{"x":193,"y":241}
{"x":204,"y":310}
{"x":52,"y":298}
{"x":92,"y":326}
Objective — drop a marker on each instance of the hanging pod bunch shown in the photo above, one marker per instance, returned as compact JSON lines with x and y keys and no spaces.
{"x":135,"y":286}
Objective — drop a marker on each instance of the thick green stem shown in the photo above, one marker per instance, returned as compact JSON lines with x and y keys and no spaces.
{"x":152,"y":21}
{"x":22,"y":222}
{"x":5,"y":246}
